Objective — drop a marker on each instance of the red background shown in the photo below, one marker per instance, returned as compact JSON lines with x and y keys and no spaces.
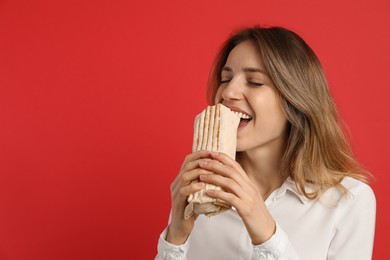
{"x":97,"y":100}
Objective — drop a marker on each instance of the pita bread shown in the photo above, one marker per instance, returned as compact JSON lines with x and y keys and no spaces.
{"x":215,"y":129}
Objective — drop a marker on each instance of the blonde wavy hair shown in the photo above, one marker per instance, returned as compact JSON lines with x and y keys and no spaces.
{"x":317,"y":152}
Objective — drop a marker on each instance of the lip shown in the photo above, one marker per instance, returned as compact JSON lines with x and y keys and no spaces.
{"x":237,"y":109}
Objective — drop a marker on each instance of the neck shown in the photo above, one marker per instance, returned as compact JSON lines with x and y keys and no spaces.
{"x":262,"y":166}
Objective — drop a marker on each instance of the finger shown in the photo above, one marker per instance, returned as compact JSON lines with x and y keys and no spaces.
{"x":191,"y":188}
{"x":227,"y":160}
{"x":230,"y":198}
{"x":188,"y":174}
{"x":192,"y":175}
{"x":229,"y":172}
{"x":194,"y":156}
{"x":197,"y":155}
{"x":194,"y":164}
{"x":222,"y":169}
{"x":227,"y":184}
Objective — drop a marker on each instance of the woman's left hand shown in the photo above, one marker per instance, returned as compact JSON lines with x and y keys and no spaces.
{"x":240,"y":192}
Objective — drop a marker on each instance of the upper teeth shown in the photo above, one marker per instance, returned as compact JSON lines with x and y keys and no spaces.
{"x":241,"y":115}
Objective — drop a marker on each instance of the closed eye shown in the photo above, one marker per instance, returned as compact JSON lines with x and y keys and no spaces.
{"x":249,"y":82}
{"x":255,"y":83}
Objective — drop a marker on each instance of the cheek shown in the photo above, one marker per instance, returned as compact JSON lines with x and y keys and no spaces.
{"x":279,"y":122}
{"x":217,"y":98}
{"x":269,"y":115}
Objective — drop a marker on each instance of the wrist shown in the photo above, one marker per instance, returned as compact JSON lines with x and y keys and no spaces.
{"x":260,"y":228}
{"x":175,"y":236}
{"x":266,"y":234}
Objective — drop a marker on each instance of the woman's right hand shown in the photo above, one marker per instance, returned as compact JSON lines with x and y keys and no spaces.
{"x":179,"y":228}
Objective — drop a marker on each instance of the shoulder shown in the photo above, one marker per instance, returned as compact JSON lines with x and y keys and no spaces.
{"x":357,"y":189}
{"x":356,"y":192}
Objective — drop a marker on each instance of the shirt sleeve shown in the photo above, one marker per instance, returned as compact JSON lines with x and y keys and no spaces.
{"x":168,"y":251}
{"x":355,"y":226}
{"x":277,"y":247}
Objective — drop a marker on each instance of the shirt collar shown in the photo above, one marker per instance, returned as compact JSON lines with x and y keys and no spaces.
{"x":289,"y":185}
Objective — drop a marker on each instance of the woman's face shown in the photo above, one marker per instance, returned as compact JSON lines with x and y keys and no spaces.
{"x":245,"y":87}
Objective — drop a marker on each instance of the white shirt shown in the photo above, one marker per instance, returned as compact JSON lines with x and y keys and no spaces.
{"x":335,"y":226}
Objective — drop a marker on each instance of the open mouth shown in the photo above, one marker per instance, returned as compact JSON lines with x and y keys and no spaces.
{"x":244,"y":118}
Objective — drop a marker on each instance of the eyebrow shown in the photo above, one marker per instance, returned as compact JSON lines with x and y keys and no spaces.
{"x":246,"y":69}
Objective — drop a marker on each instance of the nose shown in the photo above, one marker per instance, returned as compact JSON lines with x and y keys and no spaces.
{"x":232,"y":91}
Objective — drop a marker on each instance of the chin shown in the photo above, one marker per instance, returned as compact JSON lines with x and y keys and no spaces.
{"x":247,"y":146}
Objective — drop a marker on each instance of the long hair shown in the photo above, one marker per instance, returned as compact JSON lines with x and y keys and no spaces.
{"x":317,"y":151}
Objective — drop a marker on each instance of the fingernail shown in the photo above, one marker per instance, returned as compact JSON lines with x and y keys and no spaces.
{"x":214,"y":153}
{"x":200,"y":185}
{"x":210,"y":192}
{"x":203,"y":177}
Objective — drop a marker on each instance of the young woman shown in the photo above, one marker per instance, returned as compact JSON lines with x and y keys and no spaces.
{"x":296,"y":190}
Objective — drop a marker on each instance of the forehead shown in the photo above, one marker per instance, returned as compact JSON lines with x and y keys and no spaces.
{"x":244,"y":54}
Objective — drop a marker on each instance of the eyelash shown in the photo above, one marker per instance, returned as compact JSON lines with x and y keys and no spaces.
{"x":249,"y":82}
{"x":255,"y":84}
